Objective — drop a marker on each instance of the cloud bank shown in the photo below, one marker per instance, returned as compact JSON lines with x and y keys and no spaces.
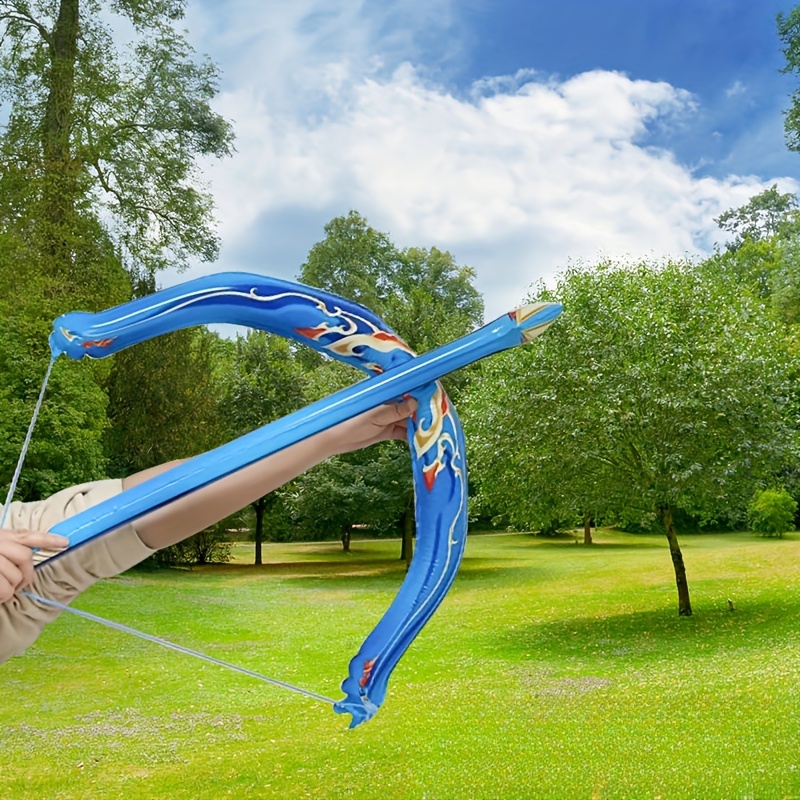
{"x":516,"y":176}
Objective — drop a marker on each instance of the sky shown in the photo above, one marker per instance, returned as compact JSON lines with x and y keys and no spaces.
{"x":520,"y":135}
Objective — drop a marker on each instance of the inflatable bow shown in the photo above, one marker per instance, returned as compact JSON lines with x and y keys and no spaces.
{"x":351,"y":333}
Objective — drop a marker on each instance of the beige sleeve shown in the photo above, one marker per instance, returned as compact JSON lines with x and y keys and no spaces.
{"x":64,"y":578}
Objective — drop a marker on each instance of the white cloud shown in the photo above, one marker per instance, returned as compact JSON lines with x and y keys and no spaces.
{"x":298,"y":54}
{"x":516,"y":177}
{"x":735,"y":89}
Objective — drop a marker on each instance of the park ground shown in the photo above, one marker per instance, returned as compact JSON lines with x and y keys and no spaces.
{"x":552,"y":670}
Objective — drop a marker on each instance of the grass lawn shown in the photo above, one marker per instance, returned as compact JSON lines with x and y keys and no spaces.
{"x":550,"y":671}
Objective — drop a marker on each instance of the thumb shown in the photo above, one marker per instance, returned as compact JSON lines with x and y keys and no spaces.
{"x":406,"y":407}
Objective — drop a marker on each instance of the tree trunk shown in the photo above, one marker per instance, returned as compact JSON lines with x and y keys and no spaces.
{"x":61,"y":171}
{"x":587,"y":528}
{"x":684,"y":605}
{"x":260,"y":506}
{"x":407,"y":546}
{"x":346,"y":534}
{"x":57,"y":125}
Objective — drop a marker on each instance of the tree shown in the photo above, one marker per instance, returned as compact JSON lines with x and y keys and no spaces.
{"x":659,"y":390}
{"x":789,"y":33}
{"x":164,"y":400}
{"x":423,"y":294}
{"x":521,"y":472}
{"x":105,"y":140}
{"x":771,"y":512}
{"x":764,"y":256}
{"x":264,"y":382}
{"x":756,"y":254}
{"x":354,"y":261}
{"x":335,"y":498}
{"x":366,"y":488}
{"x":765,"y":216}
{"x":432,"y":300}
{"x":98,"y":175}
{"x":66,"y":447}
{"x":164,"y":404}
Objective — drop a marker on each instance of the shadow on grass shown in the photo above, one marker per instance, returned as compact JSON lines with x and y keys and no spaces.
{"x":305,"y":569}
{"x":577,"y":545}
{"x":655,"y":634}
{"x":490,"y":572}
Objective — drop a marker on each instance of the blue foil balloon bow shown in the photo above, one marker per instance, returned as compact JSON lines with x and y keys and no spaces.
{"x":350,"y":333}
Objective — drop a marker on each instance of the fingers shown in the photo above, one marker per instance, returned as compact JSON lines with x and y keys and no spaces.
{"x":398,"y":431}
{"x":16,"y":557}
{"x":392,"y":413}
{"x":12,"y":577}
{"x":40,"y":540}
{"x":404,"y":410}
{"x":387,"y":421}
{"x":6,"y":590}
{"x":407,"y":407}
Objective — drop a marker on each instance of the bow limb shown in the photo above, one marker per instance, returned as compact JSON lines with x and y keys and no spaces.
{"x":441,"y":511}
{"x":440,"y":483}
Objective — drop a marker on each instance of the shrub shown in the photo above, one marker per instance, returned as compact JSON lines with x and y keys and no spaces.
{"x":210,"y":546}
{"x":771,"y":512}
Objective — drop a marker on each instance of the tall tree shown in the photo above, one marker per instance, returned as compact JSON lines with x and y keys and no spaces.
{"x":659,"y":390}
{"x":764,"y":256}
{"x":164,"y":400}
{"x":765,"y":216}
{"x":98,"y":174}
{"x":762,"y":253}
{"x":264,"y":382}
{"x":355,"y":261}
{"x":106,"y":138}
{"x":433,"y":301}
{"x":340,"y":496}
{"x":760,"y":229}
{"x":423,"y":294}
{"x":67,"y":444}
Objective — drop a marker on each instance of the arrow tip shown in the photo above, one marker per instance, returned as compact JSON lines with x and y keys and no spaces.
{"x":533,"y":318}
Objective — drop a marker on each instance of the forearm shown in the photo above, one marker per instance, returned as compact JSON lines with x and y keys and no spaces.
{"x":206,"y":506}
{"x":194,"y":512}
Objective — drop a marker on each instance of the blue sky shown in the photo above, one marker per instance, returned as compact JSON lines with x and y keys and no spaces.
{"x":726,"y":52}
{"x":518,"y":134}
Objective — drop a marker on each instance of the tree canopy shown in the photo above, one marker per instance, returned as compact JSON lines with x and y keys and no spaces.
{"x":428,"y":299}
{"x":264,"y":381}
{"x":789,"y":33}
{"x":104,"y":138}
{"x":660,"y":389}
{"x":108,"y":113}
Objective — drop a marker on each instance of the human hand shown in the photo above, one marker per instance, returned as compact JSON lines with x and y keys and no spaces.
{"x":376,"y":425}
{"x":16,"y":557}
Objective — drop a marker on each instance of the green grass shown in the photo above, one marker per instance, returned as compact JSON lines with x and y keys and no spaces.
{"x":550,"y":671}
